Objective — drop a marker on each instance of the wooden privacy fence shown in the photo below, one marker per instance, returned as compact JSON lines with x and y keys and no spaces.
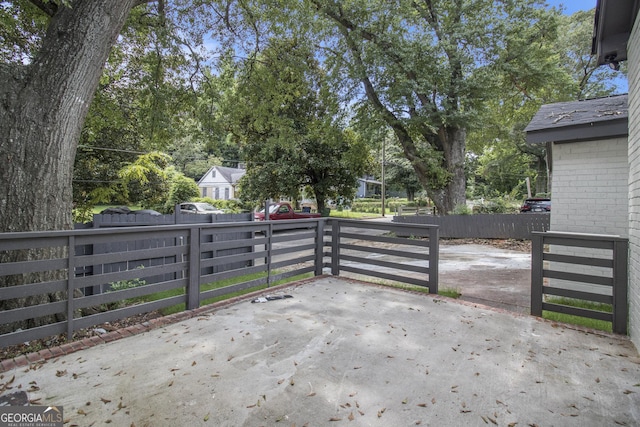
{"x":482,"y":226}
{"x":585,"y":267}
{"x":44,"y":276}
{"x":136,"y":219}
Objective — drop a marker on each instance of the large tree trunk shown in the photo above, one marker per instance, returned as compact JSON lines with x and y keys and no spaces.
{"x":453,"y":142}
{"x":42,"y":110}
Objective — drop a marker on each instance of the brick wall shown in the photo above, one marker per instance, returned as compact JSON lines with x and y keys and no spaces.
{"x":590,"y":187}
{"x":633,"y":47}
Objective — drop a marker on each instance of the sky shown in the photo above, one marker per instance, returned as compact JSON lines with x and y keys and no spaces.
{"x":572,"y":6}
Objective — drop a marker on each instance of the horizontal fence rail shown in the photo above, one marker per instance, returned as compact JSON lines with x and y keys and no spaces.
{"x":581,"y":267}
{"x":411,"y":251}
{"x":54,"y":283}
{"x":482,"y":226}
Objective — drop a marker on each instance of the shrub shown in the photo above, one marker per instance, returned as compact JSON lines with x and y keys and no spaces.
{"x":461,"y":209}
{"x":182,"y":189}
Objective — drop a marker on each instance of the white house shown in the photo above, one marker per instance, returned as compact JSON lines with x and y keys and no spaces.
{"x":588,"y":163}
{"x":617,"y":38}
{"x":220,"y":183}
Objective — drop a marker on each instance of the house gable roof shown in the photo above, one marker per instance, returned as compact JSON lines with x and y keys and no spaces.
{"x":230,"y":175}
{"x":580,"y":120}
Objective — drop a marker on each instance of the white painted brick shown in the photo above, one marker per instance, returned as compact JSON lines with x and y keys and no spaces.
{"x":590,"y":187}
{"x":634,"y":183}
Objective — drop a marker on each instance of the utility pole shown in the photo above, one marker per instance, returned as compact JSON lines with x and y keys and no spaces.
{"x":383,"y":162}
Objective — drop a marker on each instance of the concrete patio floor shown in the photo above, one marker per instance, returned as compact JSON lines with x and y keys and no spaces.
{"x":341,"y":352}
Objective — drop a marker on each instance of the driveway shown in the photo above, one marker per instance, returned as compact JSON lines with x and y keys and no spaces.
{"x":481,"y":273}
{"x":487,"y":275}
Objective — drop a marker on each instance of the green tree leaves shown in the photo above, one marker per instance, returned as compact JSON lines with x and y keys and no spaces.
{"x":288,"y":123}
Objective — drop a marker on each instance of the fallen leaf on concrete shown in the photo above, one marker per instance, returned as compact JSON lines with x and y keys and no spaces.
{"x":335,"y":419}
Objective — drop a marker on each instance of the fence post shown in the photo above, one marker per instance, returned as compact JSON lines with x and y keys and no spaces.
{"x":434,"y":258}
{"x":176,"y":214}
{"x":536,"y":273}
{"x":319,"y":246}
{"x":71,"y":257}
{"x":620,"y":284}
{"x":269,"y":246}
{"x":193,"y":283}
{"x":335,"y":247}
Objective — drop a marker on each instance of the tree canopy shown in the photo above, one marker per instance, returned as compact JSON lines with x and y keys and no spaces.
{"x":289,"y":127}
{"x":445,"y":77}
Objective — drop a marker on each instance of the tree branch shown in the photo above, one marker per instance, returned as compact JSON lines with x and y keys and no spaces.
{"x":386,"y":47}
{"x":50,"y":8}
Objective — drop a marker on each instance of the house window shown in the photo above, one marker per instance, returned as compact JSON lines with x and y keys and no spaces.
{"x":226,"y":193}
{"x":217,"y":194}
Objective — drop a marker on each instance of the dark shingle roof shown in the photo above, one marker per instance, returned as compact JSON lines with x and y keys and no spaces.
{"x":580,"y":120}
{"x":232,"y":175}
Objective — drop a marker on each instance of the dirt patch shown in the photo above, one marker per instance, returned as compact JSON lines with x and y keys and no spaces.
{"x":509,"y":244}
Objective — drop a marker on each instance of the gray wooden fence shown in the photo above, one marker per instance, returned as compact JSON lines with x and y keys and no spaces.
{"x":187,"y":261}
{"x":482,"y":226}
{"x":135,"y":220}
{"x":585,"y":267}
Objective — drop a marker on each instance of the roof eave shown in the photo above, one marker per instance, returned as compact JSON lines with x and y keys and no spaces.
{"x":583,"y":132}
{"x":613,"y":23}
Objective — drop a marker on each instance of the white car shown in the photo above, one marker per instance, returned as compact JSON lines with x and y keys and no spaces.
{"x":199,"y":208}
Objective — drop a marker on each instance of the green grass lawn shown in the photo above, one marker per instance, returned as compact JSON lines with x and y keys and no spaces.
{"x":215,"y":285}
{"x":579,"y":320}
{"x":352,"y":215}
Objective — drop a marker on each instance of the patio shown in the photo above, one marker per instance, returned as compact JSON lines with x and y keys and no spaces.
{"x":342,"y":352}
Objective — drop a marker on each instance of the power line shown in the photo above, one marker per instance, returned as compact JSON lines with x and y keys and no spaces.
{"x":119,"y":150}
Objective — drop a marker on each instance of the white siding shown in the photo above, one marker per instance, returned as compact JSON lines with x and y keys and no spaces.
{"x":216,"y":186}
{"x":590,"y":187}
{"x":633,"y":47}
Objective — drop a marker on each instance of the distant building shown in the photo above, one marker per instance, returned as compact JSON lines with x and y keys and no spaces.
{"x":220,"y":183}
{"x":368,"y":187}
